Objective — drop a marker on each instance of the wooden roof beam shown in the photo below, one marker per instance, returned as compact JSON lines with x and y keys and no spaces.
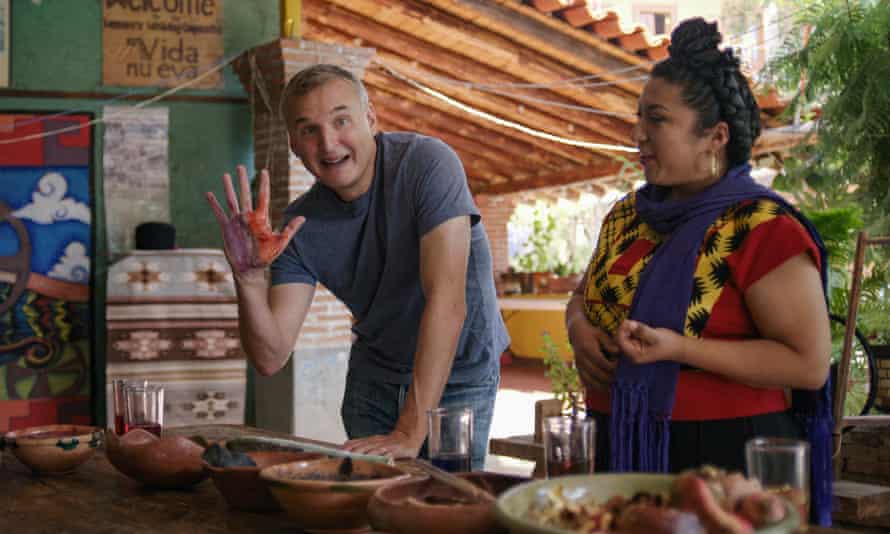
{"x":430,"y":119}
{"x":466,"y":39}
{"x":490,"y":103}
{"x":389,"y":41}
{"x":465,"y":147}
{"x":569,"y":176}
{"x":383,"y":81}
{"x":551,"y":36}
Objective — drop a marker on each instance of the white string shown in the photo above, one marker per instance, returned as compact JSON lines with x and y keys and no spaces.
{"x":110,"y":116}
{"x":509,"y":124}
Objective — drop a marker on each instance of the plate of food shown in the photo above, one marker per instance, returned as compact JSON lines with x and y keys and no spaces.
{"x":702,"y":501}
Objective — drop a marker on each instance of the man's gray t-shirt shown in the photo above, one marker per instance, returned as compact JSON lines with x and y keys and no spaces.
{"x":367,"y":253}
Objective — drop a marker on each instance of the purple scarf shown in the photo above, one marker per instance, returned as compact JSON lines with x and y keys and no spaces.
{"x":643,"y":395}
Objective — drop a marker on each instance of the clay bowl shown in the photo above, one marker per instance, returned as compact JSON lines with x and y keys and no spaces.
{"x":53,"y":449}
{"x":311,"y":494}
{"x":428,"y":506}
{"x":242,"y":486}
{"x":168,"y":462}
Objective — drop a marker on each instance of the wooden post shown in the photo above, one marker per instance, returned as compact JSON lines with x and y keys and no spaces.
{"x":291,"y":18}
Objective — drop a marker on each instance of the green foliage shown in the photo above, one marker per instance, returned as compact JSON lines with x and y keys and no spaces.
{"x":564,"y":379}
{"x":846,"y":66}
{"x":841,"y":178}
{"x":555,"y":237}
{"x":543,"y":233}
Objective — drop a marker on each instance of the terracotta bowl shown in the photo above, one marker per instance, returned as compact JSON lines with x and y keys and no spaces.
{"x":313,"y":497}
{"x":167,"y":462}
{"x":242,"y":486}
{"x":53,"y":449}
{"x":427,"y":506}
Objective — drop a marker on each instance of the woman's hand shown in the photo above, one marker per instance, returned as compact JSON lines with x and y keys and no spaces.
{"x":644,"y":344}
{"x":248,"y":239}
{"x":593,"y":349}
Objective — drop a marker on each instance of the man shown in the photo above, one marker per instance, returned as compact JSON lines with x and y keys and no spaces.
{"x":389,"y":228}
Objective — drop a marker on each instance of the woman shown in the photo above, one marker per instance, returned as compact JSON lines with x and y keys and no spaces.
{"x":704,"y":300}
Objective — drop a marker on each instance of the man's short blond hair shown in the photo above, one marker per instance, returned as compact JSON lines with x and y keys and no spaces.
{"x":315,"y":76}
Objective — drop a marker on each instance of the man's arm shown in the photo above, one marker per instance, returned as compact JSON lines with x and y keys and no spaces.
{"x":270,"y":319}
{"x":444,"y":254}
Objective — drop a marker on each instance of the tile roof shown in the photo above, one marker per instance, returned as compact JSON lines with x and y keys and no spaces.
{"x":631,"y":37}
{"x":607,"y":25}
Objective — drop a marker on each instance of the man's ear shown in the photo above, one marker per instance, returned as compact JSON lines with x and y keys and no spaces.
{"x":372,"y":118}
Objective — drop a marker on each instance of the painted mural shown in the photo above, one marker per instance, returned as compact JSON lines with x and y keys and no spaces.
{"x":45,"y":250}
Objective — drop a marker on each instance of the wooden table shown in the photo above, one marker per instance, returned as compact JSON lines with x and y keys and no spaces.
{"x":97,"y":498}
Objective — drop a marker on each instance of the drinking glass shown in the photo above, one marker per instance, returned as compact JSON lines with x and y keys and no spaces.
{"x":145,"y":408}
{"x":119,"y":402}
{"x":450,"y":440}
{"x":568,"y":445}
{"x":783,"y":467}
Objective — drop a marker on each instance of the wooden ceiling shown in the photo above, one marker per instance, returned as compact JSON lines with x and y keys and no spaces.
{"x":446,"y":45}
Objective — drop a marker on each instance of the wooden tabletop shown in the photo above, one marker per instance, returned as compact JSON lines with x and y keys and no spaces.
{"x":97,"y":498}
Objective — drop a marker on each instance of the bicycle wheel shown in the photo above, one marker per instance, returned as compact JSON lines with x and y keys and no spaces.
{"x":862,"y":383}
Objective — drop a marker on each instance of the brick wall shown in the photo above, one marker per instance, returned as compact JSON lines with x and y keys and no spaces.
{"x":882,"y":359}
{"x":496,"y":212}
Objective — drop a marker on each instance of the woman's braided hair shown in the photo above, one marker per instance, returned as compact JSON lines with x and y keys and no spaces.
{"x":713,"y":85}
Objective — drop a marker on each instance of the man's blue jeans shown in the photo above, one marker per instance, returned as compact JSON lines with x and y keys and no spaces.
{"x":371,"y":407}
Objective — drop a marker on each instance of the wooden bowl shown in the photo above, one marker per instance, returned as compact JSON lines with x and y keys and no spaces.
{"x":242,"y":486}
{"x":53,"y":449}
{"x":311,"y":495}
{"x":168,"y":462}
{"x":427,"y":506}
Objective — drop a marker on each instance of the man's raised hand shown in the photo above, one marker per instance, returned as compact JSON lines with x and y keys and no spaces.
{"x":248,"y":238}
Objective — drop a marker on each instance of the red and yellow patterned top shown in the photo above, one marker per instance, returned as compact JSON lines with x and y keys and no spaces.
{"x":746,"y":242}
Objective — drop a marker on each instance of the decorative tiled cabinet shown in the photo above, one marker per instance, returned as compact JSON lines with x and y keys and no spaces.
{"x":172,"y":319}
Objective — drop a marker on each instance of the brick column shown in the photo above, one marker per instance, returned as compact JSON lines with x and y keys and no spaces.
{"x":304,"y":398}
{"x":496,"y":212}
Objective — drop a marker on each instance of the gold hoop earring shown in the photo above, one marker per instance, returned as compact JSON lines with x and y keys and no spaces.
{"x":713,"y":165}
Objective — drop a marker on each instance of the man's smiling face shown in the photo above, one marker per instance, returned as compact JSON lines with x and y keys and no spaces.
{"x":332,"y":132}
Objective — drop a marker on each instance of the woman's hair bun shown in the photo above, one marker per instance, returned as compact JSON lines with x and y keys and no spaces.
{"x":694,"y":42}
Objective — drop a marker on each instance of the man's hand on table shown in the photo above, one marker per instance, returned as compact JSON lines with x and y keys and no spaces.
{"x":396,"y":444}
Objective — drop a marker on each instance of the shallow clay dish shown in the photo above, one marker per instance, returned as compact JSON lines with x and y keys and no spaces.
{"x":312,"y":495}
{"x":427,"y":506}
{"x":513,"y":505}
{"x":53,"y":449}
{"x":167,"y":462}
{"x":242,"y":486}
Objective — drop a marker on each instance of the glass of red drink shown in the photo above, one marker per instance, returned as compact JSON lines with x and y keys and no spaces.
{"x":568,"y":445}
{"x":119,"y":402}
{"x":450,"y":441}
{"x":145,"y":408}
{"x":783,"y":467}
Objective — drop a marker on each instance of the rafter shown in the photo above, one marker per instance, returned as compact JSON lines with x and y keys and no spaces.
{"x":428,"y":119}
{"x":387,"y":83}
{"x":559,"y":41}
{"x":572,"y":175}
{"x":433,"y":60}
{"x":451,"y":32}
{"x":494,"y":159}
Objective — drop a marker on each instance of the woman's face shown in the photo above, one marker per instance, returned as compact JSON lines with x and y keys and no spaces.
{"x":672,"y":152}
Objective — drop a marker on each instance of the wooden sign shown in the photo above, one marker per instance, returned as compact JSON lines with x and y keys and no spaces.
{"x":161,"y":42}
